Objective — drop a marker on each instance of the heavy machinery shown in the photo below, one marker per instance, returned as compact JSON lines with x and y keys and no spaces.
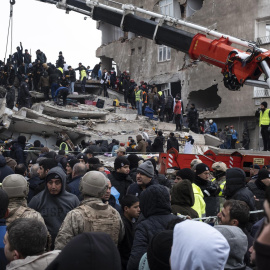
{"x":238,"y":67}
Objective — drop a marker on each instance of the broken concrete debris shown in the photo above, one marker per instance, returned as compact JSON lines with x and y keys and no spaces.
{"x":46,"y":120}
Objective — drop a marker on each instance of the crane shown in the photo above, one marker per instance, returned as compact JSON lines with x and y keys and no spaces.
{"x":237,"y":66}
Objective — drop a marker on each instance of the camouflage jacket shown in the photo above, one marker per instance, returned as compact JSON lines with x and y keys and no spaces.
{"x":91,"y":215}
{"x":18,"y":209}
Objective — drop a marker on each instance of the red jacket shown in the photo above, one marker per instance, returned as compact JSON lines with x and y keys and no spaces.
{"x":177,"y":107}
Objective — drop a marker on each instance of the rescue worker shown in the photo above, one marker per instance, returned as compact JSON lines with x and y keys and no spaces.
{"x":92,"y":215}
{"x":145,"y":97}
{"x":213,"y":127}
{"x":210,"y":190}
{"x":82,"y":70}
{"x":219,"y":171}
{"x":54,"y":202}
{"x":264,"y":120}
{"x":138,"y":100}
{"x":17,"y":189}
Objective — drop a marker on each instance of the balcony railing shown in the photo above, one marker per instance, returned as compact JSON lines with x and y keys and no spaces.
{"x":263,"y":40}
{"x":260,"y":92}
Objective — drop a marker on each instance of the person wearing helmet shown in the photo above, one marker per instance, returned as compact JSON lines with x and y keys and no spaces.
{"x":17,"y":190}
{"x":92,"y":215}
{"x":213,"y":127}
{"x":219,"y":171}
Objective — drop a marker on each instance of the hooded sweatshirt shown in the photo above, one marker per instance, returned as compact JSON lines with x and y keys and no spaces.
{"x":88,"y":251}
{"x":4,"y":169}
{"x":197,"y":245}
{"x":54,"y":208}
{"x":155,"y":207}
{"x":183,"y":199}
{"x":238,"y":246}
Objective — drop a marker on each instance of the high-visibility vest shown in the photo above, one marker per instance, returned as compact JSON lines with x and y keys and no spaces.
{"x":160,"y":93}
{"x":222,"y":185}
{"x":64,"y":146}
{"x":138,"y":95}
{"x":264,"y":118}
{"x":83,"y":74}
{"x":61,"y":70}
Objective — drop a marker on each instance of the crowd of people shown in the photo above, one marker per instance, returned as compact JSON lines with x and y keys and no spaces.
{"x":62,"y":210}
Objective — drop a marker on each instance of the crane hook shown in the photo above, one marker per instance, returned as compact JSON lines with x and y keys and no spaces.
{"x":12,"y":2}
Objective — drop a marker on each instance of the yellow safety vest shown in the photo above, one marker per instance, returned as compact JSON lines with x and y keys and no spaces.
{"x":264,"y":118}
{"x":61,"y":70}
{"x":83,"y":74}
{"x":221,"y":187}
{"x":199,"y":203}
{"x":138,"y":95}
{"x":160,"y":93}
{"x":64,"y":146}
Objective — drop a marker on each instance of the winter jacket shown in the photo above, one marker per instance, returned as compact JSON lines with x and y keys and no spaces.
{"x":169,"y":103}
{"x":192,"y":114}
{"x":96,"y":69}
{"x":3,"y":260}
{"x":54,"y":208}
{"x":72,"y":75}
{"x":210,"y":192}
{"x":38,"y":262}
{"x":213,"y":128}
{"x":88,"y":251}
{"x":17,"y":153}
{"x":125,"y":245}
{"x":4,"y":169}
{"x":24,"y":95}
{"x":141,"y":147}
{"x":34,"y":183}
{"x":199,"y":203}
{"x":157,"y":145}
{"x":172,"y":143}
{"x":155,"y":207}
{"x":74,"y":186}
{"x":177,"y":108}
{"x":27,"y":58}
{"x":136,"y":190}
{"x":121,"y":182}
{"x":44,"y":81}
{"x":10,"y":97}
{"x":182,"y":199}
{"x":42,"y":57}
{"x":236,"y":188}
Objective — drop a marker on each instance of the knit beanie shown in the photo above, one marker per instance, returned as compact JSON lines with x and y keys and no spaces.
{"x":263,"y":174}
{"x":264,"y":103}
{"x":201,"y":167}
{"x":93,"y":160}
{"x":82,"y":156}
{"x":120,"y":162}
{"x":159,"y":251}
{"x":72,"y":162}
{"x":146,"y":168}
{"x":186,"y":173}
{"x":133,"y":160}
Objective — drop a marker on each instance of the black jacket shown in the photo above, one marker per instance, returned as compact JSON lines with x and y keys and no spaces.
{"x":155,"y":207}
{"x":121,"y":182}
{"x":157,"y":145}
{"x":17,"y":153}
{"x":136,"y":190}
{"x":94,"y":250}
{"x":4,"y":169}
{"x":172,"y":143}
{"x":125,"y":245}
{"x":96,"y":69}
{"x":183,"y":199}
{"x":34,"y":183}
{"x":72,"y":75}
{"x":10,"y":97}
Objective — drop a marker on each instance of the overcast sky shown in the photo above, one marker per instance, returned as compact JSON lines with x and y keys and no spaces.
{"x":43,"y":26}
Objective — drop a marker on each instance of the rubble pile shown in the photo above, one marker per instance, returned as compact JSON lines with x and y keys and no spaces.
{"x":46,"y":120}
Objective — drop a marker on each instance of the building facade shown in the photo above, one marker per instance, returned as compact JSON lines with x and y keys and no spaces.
{"x":196,"y":82}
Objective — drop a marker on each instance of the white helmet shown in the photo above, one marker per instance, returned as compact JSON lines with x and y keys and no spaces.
{"x":210,"y":121}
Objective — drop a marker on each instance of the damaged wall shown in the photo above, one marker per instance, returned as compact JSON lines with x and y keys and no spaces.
{"x":236,"y":18}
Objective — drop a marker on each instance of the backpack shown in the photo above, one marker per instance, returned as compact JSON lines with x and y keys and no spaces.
{"x":100,"y":217}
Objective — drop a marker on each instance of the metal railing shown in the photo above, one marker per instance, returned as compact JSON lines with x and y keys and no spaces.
{"x":263,"y":40}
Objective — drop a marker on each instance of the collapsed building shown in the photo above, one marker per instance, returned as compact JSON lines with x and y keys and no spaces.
{"x":195,"y":81}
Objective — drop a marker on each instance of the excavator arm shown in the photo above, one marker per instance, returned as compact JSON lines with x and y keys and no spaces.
{"x":238,"y":67}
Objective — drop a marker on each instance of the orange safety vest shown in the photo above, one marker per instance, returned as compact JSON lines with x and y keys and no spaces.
{"x":146,"y":96}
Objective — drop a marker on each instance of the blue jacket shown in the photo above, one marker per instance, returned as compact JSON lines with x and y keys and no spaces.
{"x":234,"y":134}
{"x":4,"y":169}
{"x":74,"y":186}
{"x":213,"y":127}
{"x":156,"y":208}
{"x":3,"y":260}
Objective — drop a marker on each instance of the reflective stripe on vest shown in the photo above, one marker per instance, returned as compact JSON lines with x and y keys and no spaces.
{"x":138,"y":95}
{"x":60,"y":69}
{"x":264,"y":118}
{"x":221,"y":193}
{"x":64,"y":146}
